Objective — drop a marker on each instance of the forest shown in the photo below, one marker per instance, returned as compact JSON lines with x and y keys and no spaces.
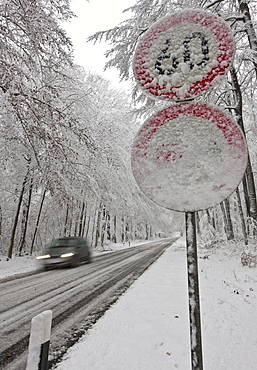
{"x":65,"y":141}
{"x":66,"y":135}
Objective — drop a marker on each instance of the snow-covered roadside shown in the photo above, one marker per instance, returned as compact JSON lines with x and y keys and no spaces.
{"x":17,"y":266}
{"x":148,"y":327}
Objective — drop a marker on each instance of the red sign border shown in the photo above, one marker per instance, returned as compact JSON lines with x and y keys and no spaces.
{"x":224,"y":40}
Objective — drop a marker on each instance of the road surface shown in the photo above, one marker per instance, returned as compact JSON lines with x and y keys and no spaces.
{"x":78,"y":297}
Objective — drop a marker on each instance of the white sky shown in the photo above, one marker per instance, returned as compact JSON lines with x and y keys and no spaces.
{"x":93,"y":16}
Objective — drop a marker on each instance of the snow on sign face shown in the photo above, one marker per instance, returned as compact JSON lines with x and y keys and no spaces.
{"x":183,"y":54}
{"x":189,"y":157}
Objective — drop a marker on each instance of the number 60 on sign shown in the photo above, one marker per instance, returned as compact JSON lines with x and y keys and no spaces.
{"x":183,"y":55}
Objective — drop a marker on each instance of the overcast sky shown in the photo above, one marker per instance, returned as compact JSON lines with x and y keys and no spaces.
{"x":93,"y":16}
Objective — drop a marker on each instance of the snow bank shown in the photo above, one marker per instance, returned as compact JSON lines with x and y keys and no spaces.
{"x":17,"y":265}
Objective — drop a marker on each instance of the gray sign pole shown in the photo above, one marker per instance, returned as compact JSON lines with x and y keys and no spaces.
{"x":193,"y":293}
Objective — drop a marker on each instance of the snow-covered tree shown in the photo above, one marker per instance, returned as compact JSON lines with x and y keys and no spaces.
{"x":65,"y":140}
{"x":237,"y":93}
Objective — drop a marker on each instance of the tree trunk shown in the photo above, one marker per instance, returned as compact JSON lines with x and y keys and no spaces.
{"x":77,"y":216}
{"x":108,"y":226}
{"x":93,"y":228}
{"x":1,"y":220}
{"x":25,"y":219}
{"x":241,"y":215}
{"x":81,"y":219}
{"x":84,"y":221}
{"x":123,"y":229}
{"x":98,"y":225}
{"x":103,"y":226}
{"x":251,"y":191}
{"x":230,"y":232}
{"x":114,"y":235}
{"x":248,"y":181}
{"x":246,"y":196}
{"x":66,"y":221}
{"x":37,"y":223}
{"x":10,"y":250}
{"x":249,"y":29}
{"x":127,"y":231}
{"x":210,"y":217}
{"x":86,"y":229}
{"x":146,"y":231}
{"x":222,"y":207}
{"x":197,"y":222}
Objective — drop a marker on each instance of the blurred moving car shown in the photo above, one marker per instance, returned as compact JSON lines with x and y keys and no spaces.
{"x":66,"y":252}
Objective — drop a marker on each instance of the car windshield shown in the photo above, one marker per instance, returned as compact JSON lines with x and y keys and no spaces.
{"x":64,"y":243}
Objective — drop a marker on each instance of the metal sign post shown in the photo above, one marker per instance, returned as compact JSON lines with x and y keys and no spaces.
{"x":193,"y":293}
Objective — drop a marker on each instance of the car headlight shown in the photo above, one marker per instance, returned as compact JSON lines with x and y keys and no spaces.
{"x":67,"y":255}
{"x":43,"y":257}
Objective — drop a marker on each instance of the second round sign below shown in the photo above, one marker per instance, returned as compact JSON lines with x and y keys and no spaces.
{"x":189,"y":157}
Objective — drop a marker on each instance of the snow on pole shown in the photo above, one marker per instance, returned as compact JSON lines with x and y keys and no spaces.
{"x":39,"y":341}
{"x":193,"y":293}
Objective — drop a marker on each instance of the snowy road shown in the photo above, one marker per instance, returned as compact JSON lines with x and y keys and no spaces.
{"x":77,"y":297}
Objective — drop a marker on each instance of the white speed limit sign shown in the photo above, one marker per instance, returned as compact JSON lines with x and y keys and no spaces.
{"x":183,"y":54}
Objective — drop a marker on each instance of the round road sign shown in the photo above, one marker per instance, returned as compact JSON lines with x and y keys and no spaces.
{"x":183,"y":54}
{"x":189,"y":157}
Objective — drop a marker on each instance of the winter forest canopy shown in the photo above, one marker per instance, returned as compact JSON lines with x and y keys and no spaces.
{"x":66,"y":135}
{"x":65,"y":141}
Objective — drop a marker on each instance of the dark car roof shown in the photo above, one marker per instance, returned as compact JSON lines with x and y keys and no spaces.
{"x":70,"y":238}
{"x":67,"y":241}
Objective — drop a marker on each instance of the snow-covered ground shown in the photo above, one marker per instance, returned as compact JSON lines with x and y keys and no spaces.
{"x":148,"y":327}
{"x":17,"y":265}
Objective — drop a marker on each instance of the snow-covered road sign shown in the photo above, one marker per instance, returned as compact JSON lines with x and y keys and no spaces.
{"x":189,"y":157}
{"x":183,"y":54}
